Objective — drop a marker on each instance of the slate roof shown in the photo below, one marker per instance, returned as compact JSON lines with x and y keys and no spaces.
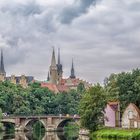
{"x":114,"y":105}
{"x":28,"y":79}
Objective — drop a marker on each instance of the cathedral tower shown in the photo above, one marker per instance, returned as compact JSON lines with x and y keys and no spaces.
{"x":53,"y":69}
{"x":72,"y":76}
{"x":2,"y":70}
{"x":59,"y":67}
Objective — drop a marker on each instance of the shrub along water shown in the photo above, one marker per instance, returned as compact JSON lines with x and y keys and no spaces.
{"x":116,"y":133}
{"x":71,"y":130}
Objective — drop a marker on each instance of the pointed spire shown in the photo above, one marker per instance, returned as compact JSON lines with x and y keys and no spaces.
{"x":59,"y":67}
{"x":58,"y":56}
{"x":53,"y":69}
{"x":72,"y":65}
{"x":53,"y":61}
{"x":2,"y":70}
{"x":72,"y":71}
{"x":48,"y":78}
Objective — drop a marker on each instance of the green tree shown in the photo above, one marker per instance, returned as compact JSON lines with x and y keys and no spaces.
{"x":91,"y":107}
{"x":1,"y":125}
{"x":81,"y":88}
{"x":36,"y":100}
{"x":124,"y":87}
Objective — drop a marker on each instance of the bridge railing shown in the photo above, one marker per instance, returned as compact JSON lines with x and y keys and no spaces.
{"x":41,"y":116}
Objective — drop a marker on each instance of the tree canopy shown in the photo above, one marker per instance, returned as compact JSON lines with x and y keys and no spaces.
{"x":36,"y":100}
{"x":91,"y":107}
{"x":124,"y":87}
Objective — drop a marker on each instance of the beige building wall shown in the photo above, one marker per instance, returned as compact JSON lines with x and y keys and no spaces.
{"x":13,"y":79}
{"x":2,"y":77}
{"x":23,"y":81}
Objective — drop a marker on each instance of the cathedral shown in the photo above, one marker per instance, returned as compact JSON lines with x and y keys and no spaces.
{"x":21,"y":80}
{"x":55,"y":80}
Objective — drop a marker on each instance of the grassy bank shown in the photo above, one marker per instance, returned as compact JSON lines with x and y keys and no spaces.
{"x":116,"y":133}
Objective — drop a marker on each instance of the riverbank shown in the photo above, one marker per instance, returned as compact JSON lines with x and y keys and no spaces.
{"x":116,"y":133}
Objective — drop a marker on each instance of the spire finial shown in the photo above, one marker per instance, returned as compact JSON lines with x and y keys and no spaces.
{"x":58,"y":55}
{"x":72,"y":70}
{"x":53,"y":61}
{"x":72,"y":64}
{"x":2,"y":70}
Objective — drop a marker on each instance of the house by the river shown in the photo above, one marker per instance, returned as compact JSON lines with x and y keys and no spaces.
{"x":131,"y":117}
{"x":112,"y":114}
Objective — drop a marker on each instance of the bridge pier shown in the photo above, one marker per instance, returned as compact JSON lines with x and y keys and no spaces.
{"x":19,"y":128}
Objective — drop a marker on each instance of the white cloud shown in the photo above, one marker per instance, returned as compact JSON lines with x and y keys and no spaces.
{"x":102,"y":39}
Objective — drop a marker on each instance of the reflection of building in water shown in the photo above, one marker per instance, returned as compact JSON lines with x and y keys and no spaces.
{"x":20,"y":136}
{"x":83,"y":137}
{"x":46,"y":136}
{"x":50,"y":136}
{"x":29,"y":136}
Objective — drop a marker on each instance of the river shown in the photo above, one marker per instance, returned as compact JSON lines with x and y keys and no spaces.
{"x":48,"y":136}
{"x":45,"y":136}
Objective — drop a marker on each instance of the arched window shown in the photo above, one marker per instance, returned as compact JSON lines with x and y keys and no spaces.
{"x":130,"y":115}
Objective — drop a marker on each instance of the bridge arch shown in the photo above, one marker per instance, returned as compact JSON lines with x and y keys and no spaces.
{"x":64,"y":122}
{"x":8,"y":124}
{"x":29,"y":123}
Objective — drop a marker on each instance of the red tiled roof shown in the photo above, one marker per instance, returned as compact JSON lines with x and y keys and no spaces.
{"x":73,"y":81}
{"x":63,"y":88}
{"x":50,"y":86}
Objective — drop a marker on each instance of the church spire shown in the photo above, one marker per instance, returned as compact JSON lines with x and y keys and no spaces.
{"x":53,"y":61}
{"x":58,"y":56}
{"x":72,"y":71}
{"x":59,"y":67}
{"x":2,"y":70}
{"x":53,"y":69}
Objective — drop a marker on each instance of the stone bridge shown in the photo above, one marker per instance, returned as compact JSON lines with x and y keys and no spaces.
{"x":50,"y":123}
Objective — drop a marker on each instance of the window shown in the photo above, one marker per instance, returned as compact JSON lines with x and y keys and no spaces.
{"x":130,"y":115}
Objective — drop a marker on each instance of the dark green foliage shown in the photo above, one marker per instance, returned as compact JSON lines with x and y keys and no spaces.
{"x":124,"y":87}
{"x":1,"y":125}
{"x":36,"y":100}
{"x":71,"y":131}
{"x":91,"y":107}
{"x":81,"y":88}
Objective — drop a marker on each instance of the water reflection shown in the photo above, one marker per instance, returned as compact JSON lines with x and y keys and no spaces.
{"x":45,"y":136}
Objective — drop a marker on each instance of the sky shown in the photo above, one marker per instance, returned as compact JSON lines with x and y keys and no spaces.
{"x":102,"y":36}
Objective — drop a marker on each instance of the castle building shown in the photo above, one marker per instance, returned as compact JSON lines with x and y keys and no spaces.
{"x":55,"y":80}
{"x":21,"y":80}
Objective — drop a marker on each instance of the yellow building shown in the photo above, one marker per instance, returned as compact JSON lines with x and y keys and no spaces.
{"x":22,"y":80}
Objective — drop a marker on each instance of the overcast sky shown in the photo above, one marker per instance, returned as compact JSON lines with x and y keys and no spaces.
{"x":102,"y":36}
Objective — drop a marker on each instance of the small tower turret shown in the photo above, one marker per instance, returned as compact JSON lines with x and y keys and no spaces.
{"x":72,"y":71}
{"x":59,"y":67}
{"x":48,"y":78}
